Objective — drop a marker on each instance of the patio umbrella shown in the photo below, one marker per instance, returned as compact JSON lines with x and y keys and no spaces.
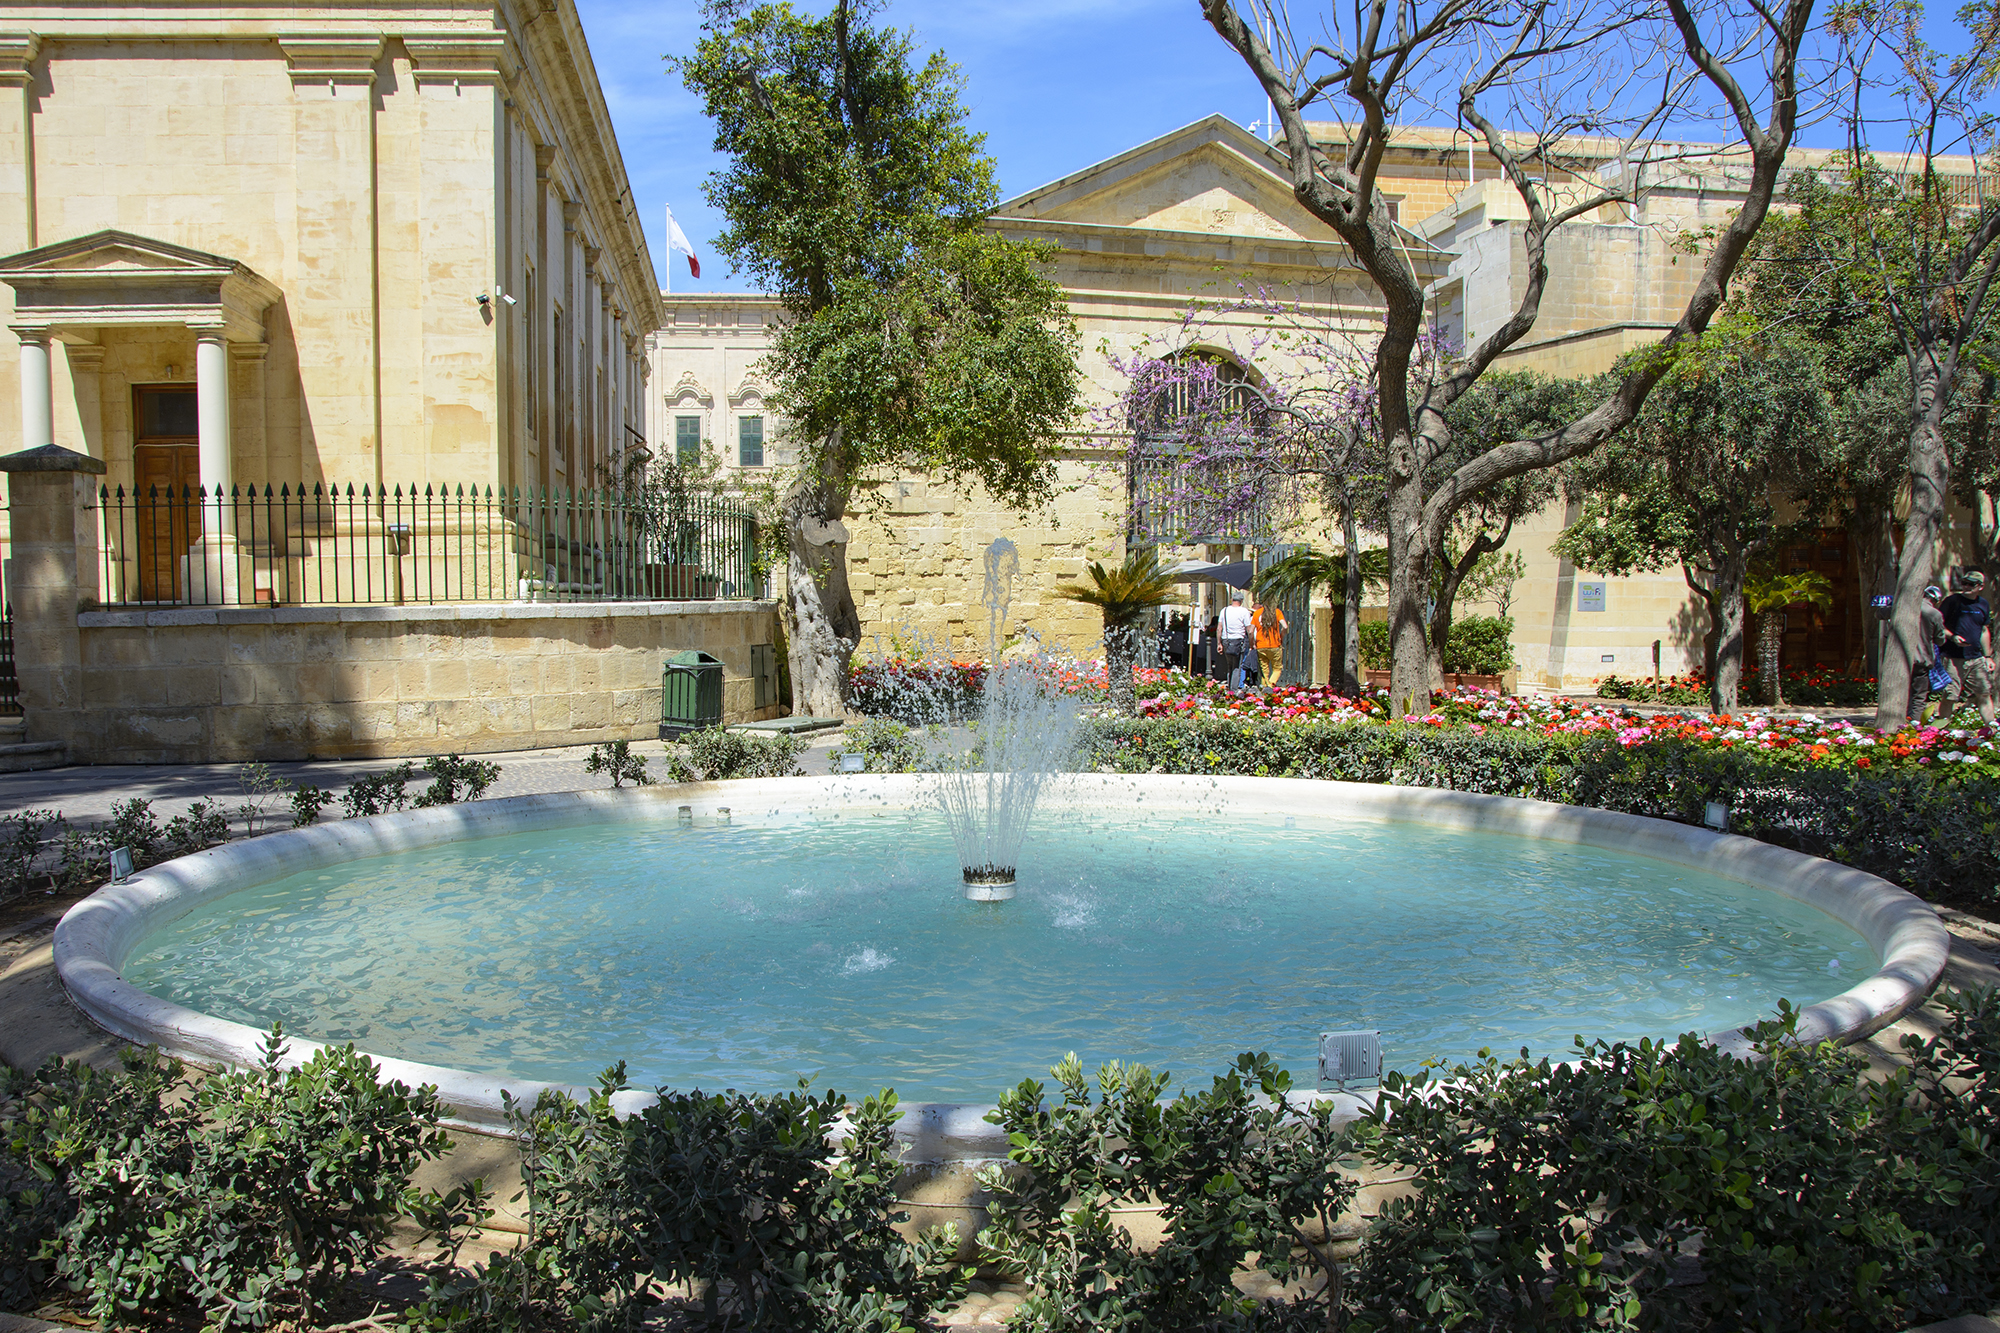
{"x":1237,"y":573}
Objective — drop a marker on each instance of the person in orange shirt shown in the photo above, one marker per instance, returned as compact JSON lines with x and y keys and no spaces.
{"x":1271,"y":626}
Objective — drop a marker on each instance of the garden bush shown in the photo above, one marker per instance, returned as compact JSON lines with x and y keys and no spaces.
{"x":1804,"y":687}
{"x":780,"y":1208}
{"x":1479,"y":645}
{"x":715,"y":755}
{"x":616,"y":758}
{"x":1633,"y":1186}
{"x":885,"y":745}
{"x":1935,"y":831}
{"x":241,"y":1198}
{"x":1238,"y":1174}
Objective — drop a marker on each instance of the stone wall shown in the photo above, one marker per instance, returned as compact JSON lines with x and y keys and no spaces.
{"x":242,"y":683}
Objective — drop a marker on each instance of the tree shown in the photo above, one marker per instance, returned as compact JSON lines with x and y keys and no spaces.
{"x":913,"y":336}
{"x":1123,"y":596}
{"x":1767,"y":593}
{"x":1933,"y":252}
{"x":1519,"y":58}
{"x":1505,"y":405}
{"x":1736,"y":434}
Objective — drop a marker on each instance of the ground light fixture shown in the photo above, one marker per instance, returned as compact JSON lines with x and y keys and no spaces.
{"x":1716,"y":816}
{"x":1350,"y":1057}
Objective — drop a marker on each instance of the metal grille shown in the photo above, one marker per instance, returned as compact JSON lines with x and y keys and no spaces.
{"x":1298,"y":612}
{"x":299,"y":545}
{"x":1350,"y":1057}
{"x":10,"y":684}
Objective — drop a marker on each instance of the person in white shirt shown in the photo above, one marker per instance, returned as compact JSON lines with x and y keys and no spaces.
{"x":1232,"y":634}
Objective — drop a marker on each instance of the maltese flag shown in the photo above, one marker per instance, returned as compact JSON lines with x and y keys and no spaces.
{"x":677,"y":240}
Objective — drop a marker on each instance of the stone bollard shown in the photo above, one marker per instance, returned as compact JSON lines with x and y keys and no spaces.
{"x":52,"y":574}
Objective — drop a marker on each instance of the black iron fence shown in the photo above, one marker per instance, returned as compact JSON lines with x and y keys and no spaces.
{"x":320,"y":544}
{"x":10,"y":684}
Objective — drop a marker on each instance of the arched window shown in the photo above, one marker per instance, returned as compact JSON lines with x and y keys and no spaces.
{"x":1201,"y":426}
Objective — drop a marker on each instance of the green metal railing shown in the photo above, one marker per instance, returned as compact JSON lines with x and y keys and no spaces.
{"x":325,"y":543}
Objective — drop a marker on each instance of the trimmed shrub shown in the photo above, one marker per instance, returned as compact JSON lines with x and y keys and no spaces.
{"x":715,"y":755}
{"x":886,"y":746}
{"x":781,"y":1208}
{"x":1479,"y":645}
{"x":243,"y":1198}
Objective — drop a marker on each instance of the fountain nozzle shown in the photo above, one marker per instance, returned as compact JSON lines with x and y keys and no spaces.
{"x":989,"y":883}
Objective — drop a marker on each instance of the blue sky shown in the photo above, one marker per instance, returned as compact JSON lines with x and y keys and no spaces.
{"x":1054,"y":84}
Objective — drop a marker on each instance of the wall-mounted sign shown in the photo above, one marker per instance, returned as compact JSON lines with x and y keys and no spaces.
{"x":1590,"y":595}
{"x":1609,"y":657}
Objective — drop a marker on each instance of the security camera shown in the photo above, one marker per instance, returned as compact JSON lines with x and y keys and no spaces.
{"x":507,"y":298}
{"x":483,"y":299}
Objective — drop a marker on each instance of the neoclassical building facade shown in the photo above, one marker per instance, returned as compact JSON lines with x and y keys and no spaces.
{"x":1206,"y":212}
{"x":383,"y":244}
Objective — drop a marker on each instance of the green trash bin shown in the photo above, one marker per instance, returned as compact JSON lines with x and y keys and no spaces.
{"x":690,"y":694}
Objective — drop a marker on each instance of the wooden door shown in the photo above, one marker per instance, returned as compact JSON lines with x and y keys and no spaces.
{"x":169,"y":515}
{"x":167,"y":480}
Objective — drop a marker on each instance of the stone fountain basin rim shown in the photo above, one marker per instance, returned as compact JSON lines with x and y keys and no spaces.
{"x":96,"y":936}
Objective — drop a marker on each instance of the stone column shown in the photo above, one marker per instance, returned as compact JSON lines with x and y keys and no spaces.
{"x":51,"y":500}
{"x":38,"y":420}
{"x":211,"y":574}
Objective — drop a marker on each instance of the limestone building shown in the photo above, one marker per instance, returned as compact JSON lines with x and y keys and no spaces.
{"x":382,"y":244}
{"x":1207,"y":211}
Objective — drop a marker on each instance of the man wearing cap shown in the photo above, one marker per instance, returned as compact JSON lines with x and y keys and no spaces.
{"x":1926,"y":666}
{"x":1968,"y":645}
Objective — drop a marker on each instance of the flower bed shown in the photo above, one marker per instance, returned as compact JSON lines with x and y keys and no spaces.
{"x":1807,"y":687}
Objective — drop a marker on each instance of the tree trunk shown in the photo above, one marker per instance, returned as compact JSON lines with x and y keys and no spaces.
{"x":1350,"y":620}
{"x":1728,"y":608}
{"x":821,"y":621}
{"x":1120,"y":648}
{"x":1930,"y":485}
{"x":1770,"y":638}
{"x":1409,"y":566}
{"x":1454,"y":578}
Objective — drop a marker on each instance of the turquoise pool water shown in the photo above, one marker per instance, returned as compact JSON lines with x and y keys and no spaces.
{"x":749,"y":955}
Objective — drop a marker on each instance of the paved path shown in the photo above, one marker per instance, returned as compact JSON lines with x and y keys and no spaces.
{"x":85,"y":793}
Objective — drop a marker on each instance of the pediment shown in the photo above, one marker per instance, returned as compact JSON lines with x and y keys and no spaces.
{"x":112,"y":279}
{"x":1212,"y":176}
{"x":109,"y":252}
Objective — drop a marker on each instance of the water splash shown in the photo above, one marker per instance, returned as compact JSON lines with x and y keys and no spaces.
{"x":1024,"y":741}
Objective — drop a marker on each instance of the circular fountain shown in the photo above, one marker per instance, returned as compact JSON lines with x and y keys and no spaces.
{"x":1173,"y":920}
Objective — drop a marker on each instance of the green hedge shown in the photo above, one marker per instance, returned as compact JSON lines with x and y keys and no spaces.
{"x":1936,"y":834}
{"x":1479,"y":645}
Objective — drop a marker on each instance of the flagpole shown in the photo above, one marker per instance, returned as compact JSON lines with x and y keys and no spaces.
{"x":667,"y":271}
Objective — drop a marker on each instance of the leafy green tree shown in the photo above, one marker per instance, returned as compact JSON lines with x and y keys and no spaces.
{"x":914,"y":337}
{"x":1737,"y":433}
{"x":1504,"y":405}
{"x":1123,"y":595}
{"x":1932,"y":245}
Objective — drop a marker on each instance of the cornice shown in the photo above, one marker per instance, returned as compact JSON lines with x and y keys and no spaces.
{"x":461,"y":57}
{"x":331,"y":58}
{"x":17,"y":53}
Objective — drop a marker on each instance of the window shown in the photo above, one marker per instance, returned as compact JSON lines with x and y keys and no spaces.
{"x":558,"y":399}
{"x":687,"y":439}
{"x":534,"y":325}
{"x":750,"y":441}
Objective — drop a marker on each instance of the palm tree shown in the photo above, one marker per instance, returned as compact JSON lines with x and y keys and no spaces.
{"x":1767,"y":593}
{"x":1123,"y":596}
{"x":1303,"y":571}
